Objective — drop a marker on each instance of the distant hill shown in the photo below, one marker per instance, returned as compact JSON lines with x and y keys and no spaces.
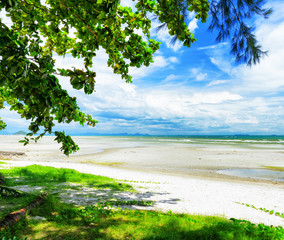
{"x":20,"y":133}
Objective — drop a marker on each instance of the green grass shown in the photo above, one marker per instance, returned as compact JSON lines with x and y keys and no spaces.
{"x":47,"y":177}
{"x":98,"y":222}
{"x":106,"y":221}
{"x":37,"y":178}
{"x":3,"y":162}
{"x":10,"y":204}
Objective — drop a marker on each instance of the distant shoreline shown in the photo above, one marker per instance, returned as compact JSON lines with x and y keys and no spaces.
{"x":213,"y":136}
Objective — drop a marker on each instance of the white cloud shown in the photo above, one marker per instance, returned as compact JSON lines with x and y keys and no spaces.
{"x":268,"y":76}
{"x":170,"y":78}
{"x":201,"y":76}
{"x":198,"y":74}
{"x":128,"y":88}
{"x":159,"y":63}
{"x":215,"y":46}
{"x":6,"y":20}
{"x":173,"y":59}
{"x":216,"y":82}
{"x":195,"y":71}
{"x":13,"y":120}
{"x":193,"y":25}
{"x":216,"y":97}
{"x":248,"y":120}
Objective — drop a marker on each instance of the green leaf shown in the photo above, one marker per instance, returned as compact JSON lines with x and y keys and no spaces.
{"x":11,"y":58}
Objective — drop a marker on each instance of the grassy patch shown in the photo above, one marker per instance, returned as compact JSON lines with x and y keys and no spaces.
{"x":100,"y":222}
{"x":10,"y":204}
{"x":104,"y":220}
{"x":273,"y":168}
{"x":47,"y":177}
{"x":35,"y":178}
{"x":2,"y":162}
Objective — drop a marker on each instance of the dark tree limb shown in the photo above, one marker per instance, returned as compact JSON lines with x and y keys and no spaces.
{"x":14,"y":217}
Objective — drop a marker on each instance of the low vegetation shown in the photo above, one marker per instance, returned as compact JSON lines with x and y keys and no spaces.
{"x":49,"y":177}
{"x":55,"y":219}
{"x":271,"y":212}
{"x":274,"y":168}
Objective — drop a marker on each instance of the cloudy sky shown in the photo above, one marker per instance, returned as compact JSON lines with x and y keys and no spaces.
{"x":191,"y":91}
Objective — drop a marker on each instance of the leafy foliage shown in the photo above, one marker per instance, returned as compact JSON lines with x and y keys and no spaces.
{"x":271,"y":212}
{"x":28,"y":77}
{"x":230,"y":18}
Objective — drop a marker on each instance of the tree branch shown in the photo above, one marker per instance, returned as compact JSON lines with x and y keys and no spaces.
{"x":79,"y":18}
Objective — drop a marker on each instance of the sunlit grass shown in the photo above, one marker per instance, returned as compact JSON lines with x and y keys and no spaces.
{"x":36,"y":175}
{"x":106,"y":220}
{"x":35,"y":178}
{"x":67,"y":222}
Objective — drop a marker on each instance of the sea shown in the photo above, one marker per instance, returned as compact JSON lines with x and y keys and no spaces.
{"x":261,"y":141}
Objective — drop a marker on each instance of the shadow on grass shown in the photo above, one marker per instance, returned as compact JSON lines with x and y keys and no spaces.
{"x":76,"y":188}
{"x":152,"y":225}
{"x":10,"y":204}
{"x":96,"y":222}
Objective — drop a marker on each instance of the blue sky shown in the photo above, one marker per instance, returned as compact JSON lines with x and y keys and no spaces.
{"x":191,"y":91}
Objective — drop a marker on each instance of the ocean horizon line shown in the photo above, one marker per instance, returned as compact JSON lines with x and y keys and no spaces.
{"x":222,"y":136}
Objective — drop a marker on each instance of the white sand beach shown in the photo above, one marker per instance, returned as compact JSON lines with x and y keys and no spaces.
{"x":197,"y":189}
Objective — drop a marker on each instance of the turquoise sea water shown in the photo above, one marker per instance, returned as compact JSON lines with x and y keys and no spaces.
{"x":225,"y":138}
{"x":244,"y":140}
{"x":101,"y":143}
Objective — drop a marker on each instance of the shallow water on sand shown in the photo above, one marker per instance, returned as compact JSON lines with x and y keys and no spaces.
{"x":262,"y":174}
{"x":99,"y":143}
{"x":239,"y":156}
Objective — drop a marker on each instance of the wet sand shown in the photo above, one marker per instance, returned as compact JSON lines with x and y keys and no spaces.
{"x":148,"y":155}
{"x":179,"y":177}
